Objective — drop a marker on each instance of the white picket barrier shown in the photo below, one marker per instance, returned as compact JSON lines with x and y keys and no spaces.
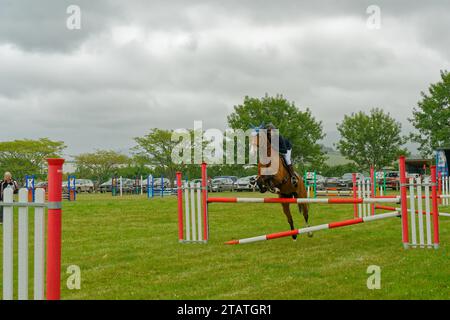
{"x":22,"y":248}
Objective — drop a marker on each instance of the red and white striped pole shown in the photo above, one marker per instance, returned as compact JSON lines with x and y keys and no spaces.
{"x":205,"y":202}
{"x":180,"y":207}
{"x":355,"y":195}
{"x":434,"y":199}
{"x":54,"y":228}
{"x":403,"y":200}
{"x":331,"y":225}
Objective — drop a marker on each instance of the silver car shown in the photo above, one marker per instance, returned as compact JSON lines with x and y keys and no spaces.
{"x":246,"y":184}
{"x":81,"y":185}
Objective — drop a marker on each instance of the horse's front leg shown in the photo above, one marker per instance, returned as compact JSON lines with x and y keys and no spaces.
{"x":288,"y":214}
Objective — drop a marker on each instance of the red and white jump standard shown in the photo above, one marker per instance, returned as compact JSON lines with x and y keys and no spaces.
{"x":52,"y":272}
{"x":195,"y":214}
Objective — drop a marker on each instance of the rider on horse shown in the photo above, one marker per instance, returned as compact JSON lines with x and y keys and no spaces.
{"x":285,"y":149}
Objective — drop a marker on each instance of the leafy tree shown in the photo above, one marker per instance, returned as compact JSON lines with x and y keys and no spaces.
{"x":99,"y":165}
{"x":432,"y":117}
{"x":300,"y":127}
{"x":371,"y":140}
{"x":23,"y":157}
{"x":155,"y":149}
{"x":338,"y":170}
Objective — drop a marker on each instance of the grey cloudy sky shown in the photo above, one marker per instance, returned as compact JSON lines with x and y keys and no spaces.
{"x":135,"y":65}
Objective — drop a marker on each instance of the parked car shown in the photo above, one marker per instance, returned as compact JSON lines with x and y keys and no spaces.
{"x":234,"y":178}
{"x":106,"y":186}
{"x":246,"y":184}
{"x":393,"y":180}
{"x":42,"y":184}
{"x":222,"y":184}
{"x":320,"y":182}
{"x":157,"y":183}
{"x":331,"y":182}
{"x":127,"y":185}
{"x":346,"y":181}
{"x":81,"y":185}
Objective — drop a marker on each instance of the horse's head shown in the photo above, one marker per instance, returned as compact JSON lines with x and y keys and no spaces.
{"x":268,"y":160}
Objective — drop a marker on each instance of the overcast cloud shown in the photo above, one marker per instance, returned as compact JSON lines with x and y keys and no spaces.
{"x":135,"y":65}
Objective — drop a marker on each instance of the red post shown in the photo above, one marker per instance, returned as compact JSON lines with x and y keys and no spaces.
{"x":180,"y":207}
{"x":372,"y":187}
{"x":404,"y":204}
{"x":355,"y":195}
{"x":54,"y":228}
{"x":205,"y":202}
{"x":435,"y":207}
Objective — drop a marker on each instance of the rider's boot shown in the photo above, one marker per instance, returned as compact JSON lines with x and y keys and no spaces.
{"x":294,"y":179}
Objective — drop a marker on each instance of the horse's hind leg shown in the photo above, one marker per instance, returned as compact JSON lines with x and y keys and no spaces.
{"x":304,"y":208}
{"x":288,"y":214}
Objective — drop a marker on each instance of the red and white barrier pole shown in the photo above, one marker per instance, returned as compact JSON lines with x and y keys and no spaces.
{"x":434,"y":199}
{"x":205,"y":202}
{"x":331,"y":225}
{"x":180,"y":207}
{"x":54,"y":228}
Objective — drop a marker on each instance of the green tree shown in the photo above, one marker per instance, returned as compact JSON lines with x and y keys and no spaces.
{"x":432,"y":117}
{"x":99,"y":165}
{"x":155,"y":149}
{"x":23,"y":157}
{"x":300,"y":127}
{"x":371,"y":139}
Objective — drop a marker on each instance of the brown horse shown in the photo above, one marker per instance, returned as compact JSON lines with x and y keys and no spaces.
{"x":280,"y":182}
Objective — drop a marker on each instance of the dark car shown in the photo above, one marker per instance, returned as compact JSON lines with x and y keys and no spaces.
{"x":222,"y":184}
{"x":393,"y":180}
{"x":346,"y":182}
{"x":331,"y":182}
{"x":105,"y":186}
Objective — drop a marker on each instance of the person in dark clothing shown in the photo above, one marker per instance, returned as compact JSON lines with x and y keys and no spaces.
{"x":7,"y":182}
{"x":285,"y":149}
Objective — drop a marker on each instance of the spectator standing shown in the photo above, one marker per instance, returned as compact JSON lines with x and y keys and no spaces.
{"x":7,"y":182}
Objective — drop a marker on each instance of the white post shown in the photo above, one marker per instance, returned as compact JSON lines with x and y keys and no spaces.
{"x":120,"y":186}
{"x":8,"y":246}
{"x":23,"y":247}
{"x":194,"y":226}
{"x":359,"y":196}
{"x":412,"y":202}
{"x":420,"y":211}
{"x":199,"y":211}
{"x":142,"y":187}
{"x":39,"y":246}
{"x":186,"y":204}
{"x":427,"y":212}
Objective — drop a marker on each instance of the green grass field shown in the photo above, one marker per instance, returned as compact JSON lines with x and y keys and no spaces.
{"x":127,"y":248}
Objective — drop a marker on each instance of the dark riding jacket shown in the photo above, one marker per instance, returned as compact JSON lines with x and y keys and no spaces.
{"x":283,"y":145}
{"x":4,"y":184}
